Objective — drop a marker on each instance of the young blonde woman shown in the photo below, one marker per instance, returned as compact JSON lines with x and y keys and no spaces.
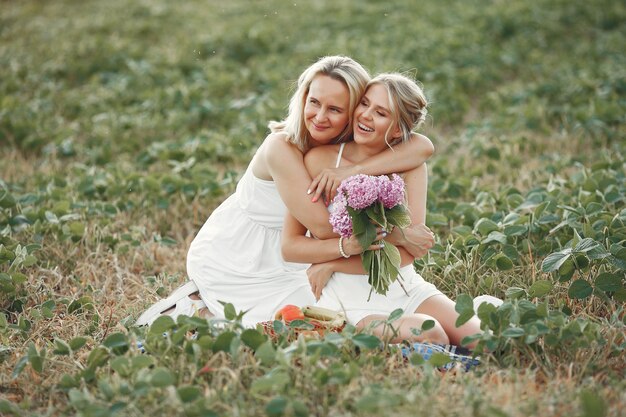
{"x":392,"y":107}
{"x":236,"y":255}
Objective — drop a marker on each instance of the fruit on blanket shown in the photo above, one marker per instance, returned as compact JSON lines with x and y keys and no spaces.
{"x":289,"y":313}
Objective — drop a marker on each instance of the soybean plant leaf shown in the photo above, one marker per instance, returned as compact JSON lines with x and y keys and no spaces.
{"x":553,"y":261}
{"x":592,"y":404}
{"x":540,"y":288}
{"x":566,"y":270}
{"x":608,"y":282}
{"x":229,"y":311}
{"x":366,"y":341}
{"x":395,"y":315}
{"x":188,"y":393}
{"x":35,"y":358}
{"x":427,"y":325}
{"x":579,"y":289}
{"x":116,"y":340}
{"x":586,"y":245}
{"x":485,"y":226}
{"x":77,"y":343}
{"x":19,"y":366}
{"x":161,"y":377}
{"x":266,"y":353}
{"x":439,"y":359}
{"x":503,"y":263}
{"x":465,"y":307}
{"x":494,"y":236}
{"x":514,"y":292}
{"x":162,"y":324}
{"x":61,"y":347}
{"x":513,"y":332}
{"x":252,"y":338}
{"x":276,"y":406}
{"x":222,"y":343}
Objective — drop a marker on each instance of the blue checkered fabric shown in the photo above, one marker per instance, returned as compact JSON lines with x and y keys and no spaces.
{"x":459,"y":357}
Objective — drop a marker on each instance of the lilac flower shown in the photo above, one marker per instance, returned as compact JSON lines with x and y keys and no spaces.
{"x":390,"y":190}
{"x":360,"y":190}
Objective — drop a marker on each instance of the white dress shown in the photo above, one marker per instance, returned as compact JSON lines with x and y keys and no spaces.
{"x":236,"y":256}
{"x":349,"y":292}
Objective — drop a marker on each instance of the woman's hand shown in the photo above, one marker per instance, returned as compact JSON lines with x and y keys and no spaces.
{"x":351,"y":245}
{"x":328,"y":180}
{"x":319,"y":275}
{"x":417,"y":239}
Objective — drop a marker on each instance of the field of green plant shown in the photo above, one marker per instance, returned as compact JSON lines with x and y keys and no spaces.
{"x":123,"y":124}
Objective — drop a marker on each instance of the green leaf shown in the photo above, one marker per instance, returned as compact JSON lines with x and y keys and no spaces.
{"x":266,"y":353}
{"x":161,"y":377}
{"x":276,"y":406}
{"x":485,"y":226}
{"x":188,"y":393}
{"x":540,"y":288}
{"x":36,"y":359}
{"x":161,"y":325}
{"x":494,"y":237}
{"x":121,"y":365}
{"x":77,"y":343}
{"x":229,"y":311}
{"x":395,"y":315}
{"x":141,"y":362}
{"x":608,"y":282}
{"x":427,"y":325}
{"x":592,"y":404}
{"x":376,"y":212}
{"x":586,"y":245}
{"x":276,"y":380}
{"x":554,"y":261}
{"x":366,"y":341}
{"x":465,"y":307}
{"x":116,"y":340}
{"x":222,"y":343}
{"x":253,"y":338}
{"x":98,"y":357}
{"x":579,"y":289}
{"x":61,"y":347}
{"x":19,"y":366}
{"x":566,"y":270}
{"x":399,"y":216}
{"x":439,"y":359}
{"x":513,"y":332}
{"x":514,"y":292}
{"x":503,"y":263}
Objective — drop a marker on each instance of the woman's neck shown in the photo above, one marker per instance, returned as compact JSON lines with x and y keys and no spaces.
{"x":358,"y":153}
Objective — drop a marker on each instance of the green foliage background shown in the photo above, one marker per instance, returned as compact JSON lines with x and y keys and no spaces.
{"x":123,"y":124}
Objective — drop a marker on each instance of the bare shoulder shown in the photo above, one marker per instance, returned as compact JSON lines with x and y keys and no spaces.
{"x":277,"y":147}
{"x":320,"y":157}
{"x":425,"y":145}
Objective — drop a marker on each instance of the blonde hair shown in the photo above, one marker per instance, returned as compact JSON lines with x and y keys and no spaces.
{"x":407,"y":103}
{"x":340,"y":68}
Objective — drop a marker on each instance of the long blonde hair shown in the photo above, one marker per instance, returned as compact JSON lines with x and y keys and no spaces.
{"x":407,"y":103}
{"x":340,"y":68}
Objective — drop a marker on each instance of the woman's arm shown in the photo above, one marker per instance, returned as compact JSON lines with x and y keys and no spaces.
{"x":285,"y":165}
{"x":401,"y":158}
{"x":297,"y":247}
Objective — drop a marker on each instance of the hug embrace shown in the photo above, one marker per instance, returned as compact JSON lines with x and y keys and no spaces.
{"x":271,"y":244}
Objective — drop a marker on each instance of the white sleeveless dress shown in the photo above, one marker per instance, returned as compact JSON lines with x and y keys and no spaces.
{"x":349,"y":292}
{"x":236,"y":256}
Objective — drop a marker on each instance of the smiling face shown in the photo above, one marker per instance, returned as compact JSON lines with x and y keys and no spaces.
{"x":326,"y":109}
{"x":373,"y":118}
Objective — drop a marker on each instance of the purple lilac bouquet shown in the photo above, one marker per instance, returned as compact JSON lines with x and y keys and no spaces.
{"x":362,"y":203}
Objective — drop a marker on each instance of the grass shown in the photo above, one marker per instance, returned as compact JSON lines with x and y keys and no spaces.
{"x":122,"y":125}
